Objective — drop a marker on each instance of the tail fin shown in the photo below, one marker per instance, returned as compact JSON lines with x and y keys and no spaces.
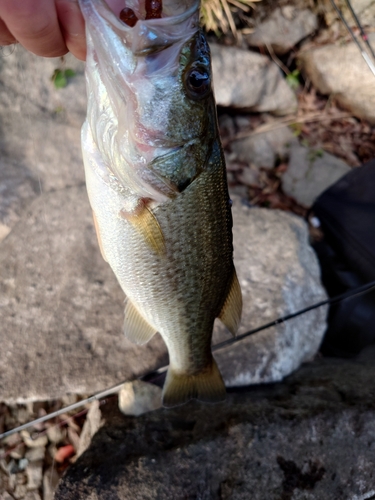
{"x":207,"y":386}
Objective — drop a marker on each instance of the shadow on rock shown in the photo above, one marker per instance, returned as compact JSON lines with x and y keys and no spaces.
{"x":278,"y":442}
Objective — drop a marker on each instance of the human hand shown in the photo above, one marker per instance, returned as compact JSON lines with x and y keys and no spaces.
{"x":47,"y":28}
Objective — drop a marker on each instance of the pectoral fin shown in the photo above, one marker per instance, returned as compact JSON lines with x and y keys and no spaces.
{"x":136,"y":328}
{"x":143,"y":219}
{"x":230,"y":314}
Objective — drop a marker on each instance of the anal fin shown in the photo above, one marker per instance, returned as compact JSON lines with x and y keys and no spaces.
{"x":136,"y":328}
{"x":231,"y":312}
{"x":207,"y":386}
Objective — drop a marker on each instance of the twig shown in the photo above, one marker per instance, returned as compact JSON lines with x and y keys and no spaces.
{"x":291,"y":120}
{"x":275,"y":59}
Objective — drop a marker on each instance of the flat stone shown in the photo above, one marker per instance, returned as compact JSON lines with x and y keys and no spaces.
{"x":310,"y":172}
{"x":310,"y":437}
{"x":250,"y":81}
{"x":26,"y":88}
{"x":62,"y":309}
{"x":40,"y":131}
{"x":56,"y":165}
{"x":250,"y":176}
{"x":340,"y":71}
{"x":364,"y":9}
{"x":136,"y":398}
{"x":283,"y":29}
{"x":279,"y":274}
{"x":17,"y":188}
{"x":263,"y":149}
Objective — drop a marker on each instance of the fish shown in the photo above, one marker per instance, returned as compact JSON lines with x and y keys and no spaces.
{"x":156,"y":181}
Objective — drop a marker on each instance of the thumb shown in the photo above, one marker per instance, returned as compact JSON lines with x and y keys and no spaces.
{"x":72,"y":26}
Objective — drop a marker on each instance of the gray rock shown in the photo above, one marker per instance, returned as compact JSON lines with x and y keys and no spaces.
{"x":279,"y":274}
{"x":310,"y":172}
{"x":62,"y":307}
{"x":283,"y":29}
{"x":17,"y":188}
{"x":250,"y":81}
{"x":365,"y":10}
{"x":339,"y":70}
{"x":62,"y":311}
{"x":250,"y":176}
{"x":50,"y":150}
{"x":26,"y":88}
{"x":311,"y":437}
{"x":40,"y":131}
{"x":136,"y":398}
{"x":263,"y":149}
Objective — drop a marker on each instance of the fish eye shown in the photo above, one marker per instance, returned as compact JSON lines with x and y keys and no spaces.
{"x":197,"y":82}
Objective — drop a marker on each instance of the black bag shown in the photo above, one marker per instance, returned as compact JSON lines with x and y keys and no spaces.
{"x":346,"y":212}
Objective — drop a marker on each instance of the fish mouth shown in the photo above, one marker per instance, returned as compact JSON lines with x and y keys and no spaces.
{"x":120,"y":82}
{"x":179,"y":21}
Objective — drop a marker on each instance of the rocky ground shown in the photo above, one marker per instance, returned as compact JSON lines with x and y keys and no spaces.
{"x":296,"y":113}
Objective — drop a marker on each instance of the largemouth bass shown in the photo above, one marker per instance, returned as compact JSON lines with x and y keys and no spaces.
{"x":156,"y":181}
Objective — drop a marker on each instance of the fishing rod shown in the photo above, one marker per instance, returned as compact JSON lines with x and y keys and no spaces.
{"x":361,"y":30}
{"x":366,"y":57}
{"x":155,"y":374}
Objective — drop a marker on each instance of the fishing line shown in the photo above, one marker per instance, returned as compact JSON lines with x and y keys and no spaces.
{"x":364,"y":54}
{"x":361,"y":30}
{"x":155,"y":374}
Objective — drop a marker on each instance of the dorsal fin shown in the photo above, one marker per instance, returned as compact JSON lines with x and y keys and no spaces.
{"x":231,"y":312}
{"x":136,"y":328}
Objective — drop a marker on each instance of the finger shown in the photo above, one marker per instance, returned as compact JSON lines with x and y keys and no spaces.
{"x":35,"y":25}
{"x":72,"y":26}
{"x":6,"y":37}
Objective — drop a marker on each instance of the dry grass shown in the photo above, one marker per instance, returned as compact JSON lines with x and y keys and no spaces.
{"x":217,"y":15}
